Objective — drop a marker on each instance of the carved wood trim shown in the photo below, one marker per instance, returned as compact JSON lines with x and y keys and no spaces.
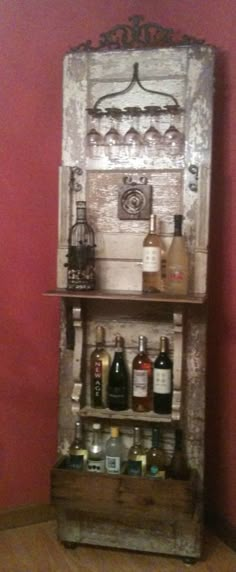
{"x":177,"y":367}
{"x":77,"y":359}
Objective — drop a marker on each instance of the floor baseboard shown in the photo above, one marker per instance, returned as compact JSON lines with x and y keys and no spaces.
{"x":25,"y":515}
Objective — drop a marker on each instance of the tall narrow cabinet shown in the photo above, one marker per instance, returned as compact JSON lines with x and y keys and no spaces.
{"x":139,"y":77}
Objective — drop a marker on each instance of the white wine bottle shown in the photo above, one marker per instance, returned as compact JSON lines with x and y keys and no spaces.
{"x":113,"y":452}
{"x":99,"y":370}
{"x":77,"y":453}
{"x":152,"y":259}
{"x":177,"y":268}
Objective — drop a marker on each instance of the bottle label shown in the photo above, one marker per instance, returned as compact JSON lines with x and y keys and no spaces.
{"x":77,"y":461}
{"x":137,"y":467}
{"x":162,"y":381}
{"x":155,"y":472}
{"x":96,"y":466}
{"x":117,"y":400}
{"x":176,"y":273}
{"x":97,"y":383}
{"x":113,"y":464}
{"x":151,"y":259}
{"x":140,"y":383}
{"x":134,"y":468}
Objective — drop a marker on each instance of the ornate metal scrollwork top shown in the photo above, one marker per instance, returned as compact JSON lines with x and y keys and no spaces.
{"x":138,"y":35}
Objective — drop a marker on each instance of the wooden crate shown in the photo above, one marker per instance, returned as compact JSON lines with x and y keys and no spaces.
{"x":139,"y":513}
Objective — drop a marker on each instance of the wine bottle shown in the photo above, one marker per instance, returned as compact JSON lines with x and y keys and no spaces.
{"x":99,"y":369}
{"x":178,"y":468}
{"x":77,"y":452}
{"x":81,"y":252}
{"x":118,"y":379}
{"x":136,"y":465}
{"x":162,"y":379}
{"x":96,"y":456}
{"x":177,"y":261}
{"x":142,"y":378}
{"x":113,"y":452}
{"x":156,"y":461}
{"x":151,"y":274}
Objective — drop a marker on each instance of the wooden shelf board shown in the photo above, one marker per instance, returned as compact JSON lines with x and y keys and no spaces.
{"x":128,"y":415}
{"x":126,"y":295}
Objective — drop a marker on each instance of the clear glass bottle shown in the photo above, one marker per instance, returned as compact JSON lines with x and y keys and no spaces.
{"x":177,"y":267}
{"x":156,"y":459}
{"x":113,"y":452}
{"x":99,"y":370}
{"x":81,"y":252}
{"x":77,"y":453}
{"x":151,"y":273}
{"x":142,"y":379}
{"x":118,"y":380}
{"x":178,"y":468}
{"x":96,"y":455}
{"x":136,"y":465}
{"x":162,"y":380}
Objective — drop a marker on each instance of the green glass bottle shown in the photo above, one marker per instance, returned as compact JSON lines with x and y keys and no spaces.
{"x":156,"y":461}
{"x":178,"y":468}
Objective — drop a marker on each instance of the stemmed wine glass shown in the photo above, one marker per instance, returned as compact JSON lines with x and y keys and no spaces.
{"x":94,"y":138}
{"x":132,"y":137}
{"x":152,"y":136}
{"x":112,"y":138}
{"x":173,"y":139}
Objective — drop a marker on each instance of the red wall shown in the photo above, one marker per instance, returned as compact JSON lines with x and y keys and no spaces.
{"x":34,"y":37}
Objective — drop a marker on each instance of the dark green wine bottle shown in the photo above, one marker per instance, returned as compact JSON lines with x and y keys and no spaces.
{"x":118,"y":381}
{"x":178,"y":468}
{"x":162,"y":380}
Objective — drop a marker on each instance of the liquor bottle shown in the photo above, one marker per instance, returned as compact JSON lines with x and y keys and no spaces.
{"x":137,"y":460}
{"x":113,"y":452}
{"x":178,"y":468}
{"x":81,"y":252}
{"x":152,"y":259}
{"x":118,"y":379}
{"x":156,"y":461}
{"x":96,"y":457}
{"x":99,"y":369}
{"x":77,"y":453}
{"x":142,"y":378}
{"x":177,"y":261}
{"x":162,"y":380}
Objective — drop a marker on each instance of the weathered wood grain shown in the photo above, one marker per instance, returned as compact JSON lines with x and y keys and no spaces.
{"x":103,"y":510}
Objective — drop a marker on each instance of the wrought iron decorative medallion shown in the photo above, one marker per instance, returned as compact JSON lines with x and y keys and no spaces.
{"x":138,"y":35}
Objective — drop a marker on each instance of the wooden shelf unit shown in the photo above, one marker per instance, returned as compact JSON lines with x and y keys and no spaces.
{"x":121,"y":511}
{"x":130,"y":296}
{"x":123,"y":416}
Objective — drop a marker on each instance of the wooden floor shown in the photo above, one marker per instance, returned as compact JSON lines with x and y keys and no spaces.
{"x":35,"y":549}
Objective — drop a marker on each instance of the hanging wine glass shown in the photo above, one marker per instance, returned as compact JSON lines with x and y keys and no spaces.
{"x":94,"y":138}
{"x":152,"y":136}
{"x":132,"y":137}
{"x":113,"y":139}
{"x":173,"y":139}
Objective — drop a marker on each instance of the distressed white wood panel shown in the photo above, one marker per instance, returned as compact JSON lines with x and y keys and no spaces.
{"x":102,"y":197}
{"x":118,"y":275}
{"x":61,"y":268}
{"x":143,"y":160}
{"x":198,"y":133}
{"x":202,"y":230}
{"x":136,"y":96}
{"x":115,"y":64}
{"x":152,"y":330}
{"x":74,"y":105}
